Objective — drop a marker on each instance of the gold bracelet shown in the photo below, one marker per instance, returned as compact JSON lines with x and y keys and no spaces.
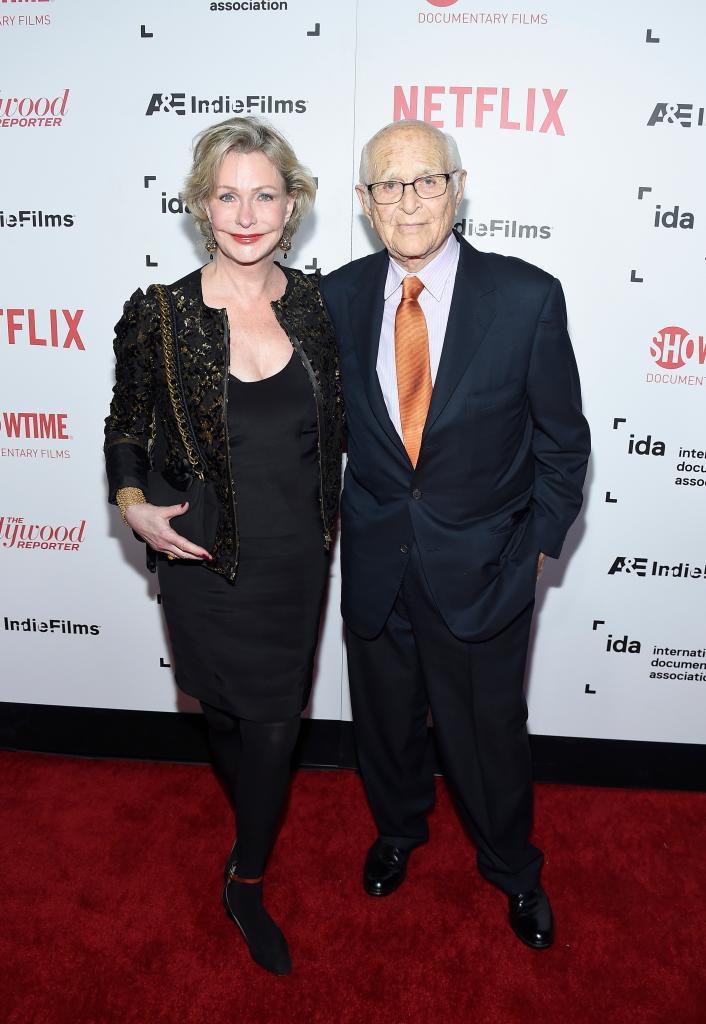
{"x":127,"y":496}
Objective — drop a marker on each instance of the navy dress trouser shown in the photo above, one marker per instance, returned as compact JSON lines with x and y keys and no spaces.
{"x":475,"y":693}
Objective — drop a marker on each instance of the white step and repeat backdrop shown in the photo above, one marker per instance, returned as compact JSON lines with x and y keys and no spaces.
{"x":582,"y":128}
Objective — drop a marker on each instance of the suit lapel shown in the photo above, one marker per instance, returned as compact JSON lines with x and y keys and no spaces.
{"x":367,"y":307}
{"x":471,"y":314}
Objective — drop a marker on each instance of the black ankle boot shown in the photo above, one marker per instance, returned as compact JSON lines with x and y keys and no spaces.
{"x":230,"y":862}
{"x":242,"y":899}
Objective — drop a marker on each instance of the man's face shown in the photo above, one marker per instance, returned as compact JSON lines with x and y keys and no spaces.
{"x":413,"y":230}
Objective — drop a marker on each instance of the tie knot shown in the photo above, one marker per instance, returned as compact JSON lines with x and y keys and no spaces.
{"x":412,"y":288}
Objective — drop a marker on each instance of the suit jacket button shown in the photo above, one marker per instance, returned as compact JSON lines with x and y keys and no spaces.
{"x":416,"y":494}
{"x":404,"y":549}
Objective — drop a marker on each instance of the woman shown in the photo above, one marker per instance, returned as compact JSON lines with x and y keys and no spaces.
{"x":227,"y":394}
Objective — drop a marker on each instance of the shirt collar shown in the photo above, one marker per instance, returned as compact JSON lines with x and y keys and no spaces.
{"x":434,"y":276}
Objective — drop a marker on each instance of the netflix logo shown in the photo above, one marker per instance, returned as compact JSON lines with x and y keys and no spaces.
{"x":53,"y":328}
{"x":466,"y":106}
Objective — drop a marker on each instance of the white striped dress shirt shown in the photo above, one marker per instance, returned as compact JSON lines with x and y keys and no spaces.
{"x":438,"y":278}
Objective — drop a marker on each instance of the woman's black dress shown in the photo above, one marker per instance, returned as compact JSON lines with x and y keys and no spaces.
{"x":248,"y":647}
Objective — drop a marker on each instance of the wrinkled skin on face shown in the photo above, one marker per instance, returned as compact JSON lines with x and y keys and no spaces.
{"x":412,"y":230}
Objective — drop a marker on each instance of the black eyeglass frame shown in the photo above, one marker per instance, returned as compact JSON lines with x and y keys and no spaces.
{"x":447,"y":175}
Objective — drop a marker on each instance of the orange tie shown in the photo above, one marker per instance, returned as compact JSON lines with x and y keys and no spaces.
{"x":413,"y":370}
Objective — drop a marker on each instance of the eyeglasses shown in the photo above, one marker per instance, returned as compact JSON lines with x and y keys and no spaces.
{"x":428,"y":186}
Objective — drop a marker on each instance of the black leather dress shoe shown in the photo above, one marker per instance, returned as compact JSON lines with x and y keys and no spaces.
{"x":385,"y":869}
{"x":531,"y":918}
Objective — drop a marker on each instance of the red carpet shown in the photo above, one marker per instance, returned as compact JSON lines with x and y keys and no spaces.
{"x":112,"y":915}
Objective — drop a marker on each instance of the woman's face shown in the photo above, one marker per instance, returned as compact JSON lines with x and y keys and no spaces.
{"x":249,"y":207}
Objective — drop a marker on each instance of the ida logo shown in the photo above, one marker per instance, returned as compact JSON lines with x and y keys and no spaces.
{"x":673,"y":347}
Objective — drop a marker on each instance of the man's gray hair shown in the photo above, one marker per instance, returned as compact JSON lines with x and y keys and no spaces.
{"x":446,"y":143}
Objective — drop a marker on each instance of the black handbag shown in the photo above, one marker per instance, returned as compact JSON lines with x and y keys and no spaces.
{"x":199,"y":523}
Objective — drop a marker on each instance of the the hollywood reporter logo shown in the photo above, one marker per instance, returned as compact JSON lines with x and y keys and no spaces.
{"x":53,"y":328}
{"x":673,"y":347}
{"x":33,"y":111}
{"x":17,"y":533}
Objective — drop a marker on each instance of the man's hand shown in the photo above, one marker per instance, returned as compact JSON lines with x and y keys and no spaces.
{"x":151,"y":522}
{"x":540,"y":564}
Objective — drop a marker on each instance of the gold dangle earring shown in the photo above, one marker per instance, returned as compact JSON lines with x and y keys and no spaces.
{"x":285,"y":243}
{"x":210,"y":244}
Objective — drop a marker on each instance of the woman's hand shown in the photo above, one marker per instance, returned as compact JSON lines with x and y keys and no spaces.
{"x":151,"y":522}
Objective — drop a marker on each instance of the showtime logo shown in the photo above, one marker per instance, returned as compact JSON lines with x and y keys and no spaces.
{"x":51,"y":329}
{"x":33,"y":111}
{"x":673,"y":347}
{"x":16,"y":533}
{"x":36,"y":425}
{"x":466,"y":106}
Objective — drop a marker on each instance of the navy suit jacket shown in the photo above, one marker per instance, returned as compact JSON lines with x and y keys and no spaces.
{"x":504,"y":449}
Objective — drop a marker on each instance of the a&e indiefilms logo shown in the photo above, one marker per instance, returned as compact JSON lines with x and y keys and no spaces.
{"x":51,"y":626}
{"x":687,"y":115}
{"x":500,"y":227}
{"x":180,"y":103}
{"x":640,"y":565}
{"x":35,"y":219}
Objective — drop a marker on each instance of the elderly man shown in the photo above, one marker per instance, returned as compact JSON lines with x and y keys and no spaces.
{"x":467,"y":451}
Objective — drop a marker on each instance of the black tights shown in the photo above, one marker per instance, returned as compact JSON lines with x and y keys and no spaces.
{"x":254,"y":760}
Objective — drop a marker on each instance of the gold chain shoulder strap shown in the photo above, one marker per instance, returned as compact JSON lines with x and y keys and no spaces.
{"x":168,"y":344}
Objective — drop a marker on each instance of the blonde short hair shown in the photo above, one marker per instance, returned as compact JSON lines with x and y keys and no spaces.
{"x":245,"y":135}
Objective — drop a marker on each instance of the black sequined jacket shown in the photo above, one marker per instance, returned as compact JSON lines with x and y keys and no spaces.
{"x":141,"y":432}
